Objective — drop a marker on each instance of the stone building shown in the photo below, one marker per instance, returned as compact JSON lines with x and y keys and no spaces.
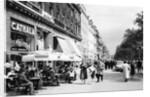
{"x":34,"y":26}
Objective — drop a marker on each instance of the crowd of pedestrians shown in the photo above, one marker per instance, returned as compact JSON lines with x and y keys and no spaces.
{"x":92,"y":70}
{"x":110,"y":64}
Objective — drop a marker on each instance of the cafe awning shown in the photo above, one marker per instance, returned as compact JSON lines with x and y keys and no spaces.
{"x":74,"y":57}
{"x":34,"y":57}
{"x":45,"y":56}
{"x":74,"y":47}
{"x":68,"y":46}
{"x":64,"y":45}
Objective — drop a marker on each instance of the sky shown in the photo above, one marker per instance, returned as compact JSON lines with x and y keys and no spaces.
{"x":112,"y":21}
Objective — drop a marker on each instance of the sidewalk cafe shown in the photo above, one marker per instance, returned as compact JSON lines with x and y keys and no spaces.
{"x":58,"y":61}
{"x":42,"y":68}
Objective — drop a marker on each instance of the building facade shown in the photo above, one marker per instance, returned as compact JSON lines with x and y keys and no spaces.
{"x":34,"y":26}
{"x":91,"y":43}
{"x":84,"y":33}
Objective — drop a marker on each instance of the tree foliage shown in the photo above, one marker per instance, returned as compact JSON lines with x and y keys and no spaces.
{"x":131,"y":47}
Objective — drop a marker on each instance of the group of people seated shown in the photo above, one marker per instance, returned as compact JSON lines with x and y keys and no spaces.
{"x":16,"y":79}
{"x":68,"y":73}
{"x":49,"y":76}
{"x":21,"y":77}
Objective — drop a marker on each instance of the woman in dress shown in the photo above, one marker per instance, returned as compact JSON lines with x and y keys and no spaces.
{"x":83,"y":73}
{"x":132,"y":72}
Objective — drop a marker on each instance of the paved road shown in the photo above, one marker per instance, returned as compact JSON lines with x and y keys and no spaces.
{"x":113,"y":81}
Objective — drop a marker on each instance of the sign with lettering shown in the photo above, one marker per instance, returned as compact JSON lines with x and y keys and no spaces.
{"x":22,"y":27}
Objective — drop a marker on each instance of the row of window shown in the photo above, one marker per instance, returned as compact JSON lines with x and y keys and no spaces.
{"x":65,"y":13}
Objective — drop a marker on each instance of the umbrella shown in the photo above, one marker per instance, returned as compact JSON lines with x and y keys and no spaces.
{"x":58,"y":56}
{"x":74,"y":57}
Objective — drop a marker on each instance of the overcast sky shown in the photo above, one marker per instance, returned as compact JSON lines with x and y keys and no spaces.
{"x":112,"y":21}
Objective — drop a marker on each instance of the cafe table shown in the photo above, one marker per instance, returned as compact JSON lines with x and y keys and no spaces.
{"x":36,"y":81}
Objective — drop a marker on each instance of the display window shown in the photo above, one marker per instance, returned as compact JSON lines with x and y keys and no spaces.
{"x":22,"y":35}
{"x":40,"y":41}
{"x":21,"y":42}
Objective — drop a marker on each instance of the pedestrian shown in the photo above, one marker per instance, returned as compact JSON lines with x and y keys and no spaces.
{"x":66,"y":73}
{"x":71,"y":75}
{"x":126,"y":71}
{"x":97,"y":71}
{"x":139,"y":66}
{"x":101,"y":69}
{"x":76,"y":72}
{"x":132,"y":66}
{"x":92,"y":71}
{"x":83,"y":73}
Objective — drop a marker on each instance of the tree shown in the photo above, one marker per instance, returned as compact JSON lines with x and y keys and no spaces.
{"x":132,"y":44}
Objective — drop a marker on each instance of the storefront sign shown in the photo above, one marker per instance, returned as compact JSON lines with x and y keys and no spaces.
{"x":22,"y":28}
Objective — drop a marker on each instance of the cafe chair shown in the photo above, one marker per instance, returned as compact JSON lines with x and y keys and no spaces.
{"x":22,"y":88}
{"x":50,"y":81}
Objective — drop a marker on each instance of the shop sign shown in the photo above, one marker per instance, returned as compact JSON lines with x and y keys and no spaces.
{"x":22,"y":28}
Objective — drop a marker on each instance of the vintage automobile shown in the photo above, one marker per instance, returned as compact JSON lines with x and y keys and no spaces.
{"x":119,"y":66}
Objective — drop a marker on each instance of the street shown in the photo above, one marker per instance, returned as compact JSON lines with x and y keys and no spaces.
{"x":113,"y":81}
{"x":48,"y":42}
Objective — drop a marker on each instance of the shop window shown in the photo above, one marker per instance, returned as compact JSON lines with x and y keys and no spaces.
{"x":20,"y":42}
{"x":71,"y":12}
{"x":46,"y":7}
{"x":57,"y":12}
{"x":38,"y":4}
{"x":55,"y":43}
{"x":63,"y":19}
{"x":40,"y":41}
{"x":78,"y":30}
{"x":51,"y":9}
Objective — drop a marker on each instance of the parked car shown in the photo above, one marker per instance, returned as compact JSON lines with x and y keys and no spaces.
{"x":118,"y":66}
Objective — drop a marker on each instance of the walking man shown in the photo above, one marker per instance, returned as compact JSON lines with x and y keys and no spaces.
{"x":139,"y":66}
{"x":98,"y":71}
{"x":101,"y":70}
{"x":132,"y":72}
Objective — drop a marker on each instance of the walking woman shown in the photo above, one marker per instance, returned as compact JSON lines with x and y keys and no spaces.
{"x":83,"y":73}
{"x":97,"y":71}
{"x":132,"y":72}
{"x":92,"y":72}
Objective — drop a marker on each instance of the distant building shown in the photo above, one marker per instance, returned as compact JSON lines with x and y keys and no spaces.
{"x":84,"y":33}
{"x":91,"y":40}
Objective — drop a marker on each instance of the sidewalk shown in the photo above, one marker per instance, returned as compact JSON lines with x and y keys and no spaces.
{"x":113,"y":81}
